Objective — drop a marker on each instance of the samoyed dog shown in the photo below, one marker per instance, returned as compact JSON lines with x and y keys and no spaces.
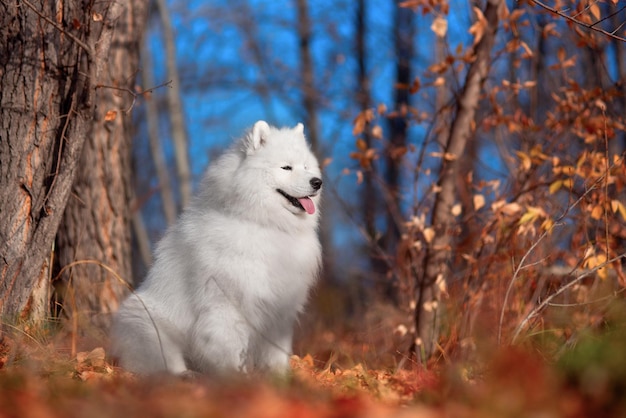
{"x":232,"y":274}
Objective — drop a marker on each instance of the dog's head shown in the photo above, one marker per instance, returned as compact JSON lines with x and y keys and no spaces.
{"x":284,"y":168}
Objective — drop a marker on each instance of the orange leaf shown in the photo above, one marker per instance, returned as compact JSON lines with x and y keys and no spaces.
{"x":377,"y":132}
{"x":456,"y":209}
{"x":596,"y":212}
{"x":479,"y":201}
{"x":429,"y":234}
{"x":616,"y":205}
{"x":595,"y":11}
{"x":479,"y":27}
{"x":110,"y":115}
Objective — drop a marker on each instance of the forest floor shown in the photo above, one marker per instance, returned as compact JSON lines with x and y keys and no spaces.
{"x":338,"y":377}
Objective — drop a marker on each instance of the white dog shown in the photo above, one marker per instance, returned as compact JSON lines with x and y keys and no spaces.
{"x":231,"y":276}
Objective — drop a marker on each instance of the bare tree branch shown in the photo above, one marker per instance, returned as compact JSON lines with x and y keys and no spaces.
{"x":591,"y":26}
{"x":88,"y":49}
{"x":562,"y":289}
{"x":557,"y":222}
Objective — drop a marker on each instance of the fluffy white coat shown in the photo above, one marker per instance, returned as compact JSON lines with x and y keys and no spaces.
{"x":231,"y":276}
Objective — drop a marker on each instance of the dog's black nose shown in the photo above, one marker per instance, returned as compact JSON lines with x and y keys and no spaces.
{"x":316,"y":183}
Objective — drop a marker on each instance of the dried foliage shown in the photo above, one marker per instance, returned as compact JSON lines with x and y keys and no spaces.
{"x":38,"y":380}
{"x":528,"y":218}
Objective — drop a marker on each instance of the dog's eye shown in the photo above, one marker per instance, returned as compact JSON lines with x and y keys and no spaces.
{"x":286,"y":167}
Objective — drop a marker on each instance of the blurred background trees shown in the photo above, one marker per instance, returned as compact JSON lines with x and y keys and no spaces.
{"x":473,"y":156}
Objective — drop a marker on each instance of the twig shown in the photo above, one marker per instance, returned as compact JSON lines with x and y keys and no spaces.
{"x":591,"y":26}
{"x":127,"y":285}
{"x":589,"y":302}
{"x":520,"y":266}
{"x":562,"y":289}
{"x":610,"y":16}
{"x":134,"y":94}
{"x":80,"y":43}
{"x":531,"y":249}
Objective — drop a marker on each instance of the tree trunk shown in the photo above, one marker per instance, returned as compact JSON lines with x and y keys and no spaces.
{"x":310,"y":104}
{"x":175,"y":107}
{"x":154,"y":138}
{"x":94,"y":238}
{"x":403,"y":46}
{"x":439,"y":250}
{"x":50,"y":55}
{"x":364,"y":102}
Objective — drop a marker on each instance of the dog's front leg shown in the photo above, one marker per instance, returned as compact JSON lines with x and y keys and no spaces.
{"x":219,"y":341}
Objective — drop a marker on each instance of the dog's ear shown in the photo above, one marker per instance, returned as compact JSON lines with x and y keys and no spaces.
{"x":299,"y":128}
{"x":260,"y":132}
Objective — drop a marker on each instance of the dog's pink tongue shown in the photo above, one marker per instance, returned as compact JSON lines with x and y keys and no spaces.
{"x":307,"y":204}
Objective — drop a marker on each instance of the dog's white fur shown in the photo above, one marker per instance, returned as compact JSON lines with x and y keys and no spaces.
{"x":231,"y":276}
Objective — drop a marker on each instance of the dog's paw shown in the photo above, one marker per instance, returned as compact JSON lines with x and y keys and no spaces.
{"x":190,"y":375}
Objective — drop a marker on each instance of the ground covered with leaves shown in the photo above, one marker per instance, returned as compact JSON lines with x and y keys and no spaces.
{"x":42,"y":380}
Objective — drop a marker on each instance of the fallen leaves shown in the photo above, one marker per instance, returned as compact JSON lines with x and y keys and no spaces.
{"x":95,"y":388}
{"x":92,"y":365}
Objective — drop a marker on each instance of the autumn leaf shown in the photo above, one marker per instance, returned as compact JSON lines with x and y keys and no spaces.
{"x":508,"y":209}
{"x":594,"y":261}
{"x":411,"y":4}
{"x":479,"y":27}
{"x":429,"y":234}
{"x":445,"y":155}
{"x":616,"y":206}
{"x":547,"y":224}
{"x":525,"y":160}
{"x":439,"y":26}
{"x":555,"y":186}
{"x":439,"y":81}
{"x":441,"y":284}
{"x":377,"y":132}
{"x":597,"y":212}
{"x":110,"y":115}
{"x":415,"y":86}
{"x":456,"y":209}
{"x":532,"y":214}
{"x":361,"y":121}
{"x":594,"y":9}
{"x":569,"y":183}
{"x":479,"y":201}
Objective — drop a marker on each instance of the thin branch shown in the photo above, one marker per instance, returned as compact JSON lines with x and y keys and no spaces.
{"x":610,"y":16}
{"x":589,"y":302}
{"x":562,"y":289}
{"x":58,"y":27}
{"x":520,"y":266}
{"x":545,"y":233}
{"x":133,"y":93}
{"x":591,"y":26}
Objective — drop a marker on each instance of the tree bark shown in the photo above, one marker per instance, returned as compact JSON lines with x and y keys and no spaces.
{"x":154,"y":138}
{"x":310,"y":104}
{"x":403,"y":45}
{"x":363,"y":95}
{"x":177,"y":121}
{"x":438,"y":252}
{"x":94,"y":238}
{"x":48,"y":64}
